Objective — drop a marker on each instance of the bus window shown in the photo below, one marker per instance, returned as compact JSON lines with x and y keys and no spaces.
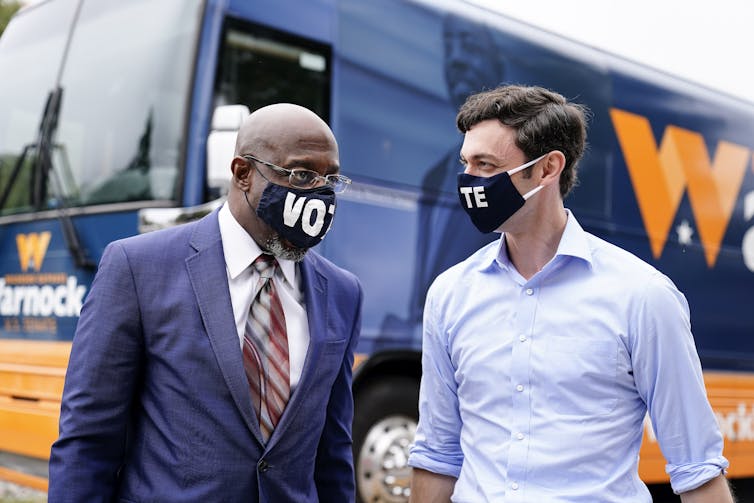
{"x":31,"y":51}
{"x":125,"y":89}
{"x":259,"y":66}
{"x":123,"y":98}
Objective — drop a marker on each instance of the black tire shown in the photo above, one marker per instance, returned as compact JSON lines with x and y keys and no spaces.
{"x":386,"y":413}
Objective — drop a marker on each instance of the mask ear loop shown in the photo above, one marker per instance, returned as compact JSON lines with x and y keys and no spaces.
{"x":533,"y":191}
{"x":523,"y":167}
{"x":247,"y":201}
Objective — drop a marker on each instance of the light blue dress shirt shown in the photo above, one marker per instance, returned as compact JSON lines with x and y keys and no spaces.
{"x":537,"y":390}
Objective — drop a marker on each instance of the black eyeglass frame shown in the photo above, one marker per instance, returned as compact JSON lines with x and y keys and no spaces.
{"x":338,"y":183}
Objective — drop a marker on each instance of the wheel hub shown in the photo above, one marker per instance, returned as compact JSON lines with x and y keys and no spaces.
{"x":383,"y":474}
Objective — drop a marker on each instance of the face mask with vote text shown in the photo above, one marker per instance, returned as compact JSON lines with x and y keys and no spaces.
{"x":302,"y":216}
{"x":490,"y":201}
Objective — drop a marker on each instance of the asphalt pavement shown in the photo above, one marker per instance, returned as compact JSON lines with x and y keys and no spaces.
{"x":12,"y":493}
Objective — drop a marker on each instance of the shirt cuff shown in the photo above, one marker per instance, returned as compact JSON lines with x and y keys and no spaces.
{"x":425,"y":462}
{"x":689,"y":476}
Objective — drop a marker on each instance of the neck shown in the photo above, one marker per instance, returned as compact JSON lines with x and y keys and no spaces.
{"x":534,"y":243}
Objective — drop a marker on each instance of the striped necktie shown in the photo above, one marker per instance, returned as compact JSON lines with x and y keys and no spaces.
{"x":265,"y":349}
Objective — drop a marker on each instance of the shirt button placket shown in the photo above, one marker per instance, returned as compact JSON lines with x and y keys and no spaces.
{"x":521,"y":395}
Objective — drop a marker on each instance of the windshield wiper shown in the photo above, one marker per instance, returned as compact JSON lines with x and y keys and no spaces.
{"x":41,"y":179}
{"x":14,"y":175}
{"x":42,"y":161}
{"x":70,"y":235}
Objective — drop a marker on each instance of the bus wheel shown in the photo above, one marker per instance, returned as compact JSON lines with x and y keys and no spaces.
{"x":383,"y":428}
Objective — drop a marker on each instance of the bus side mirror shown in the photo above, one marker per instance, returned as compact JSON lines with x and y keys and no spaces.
{"x":221,"y":144}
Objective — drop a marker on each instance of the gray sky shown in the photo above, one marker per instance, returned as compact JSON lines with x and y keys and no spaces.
{"x":706,"y":41}
{"x":702,"y":40}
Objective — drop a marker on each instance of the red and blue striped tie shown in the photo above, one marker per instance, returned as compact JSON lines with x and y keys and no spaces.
{"x":265,"y":349}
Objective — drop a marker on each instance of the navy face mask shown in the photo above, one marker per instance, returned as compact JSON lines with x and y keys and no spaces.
{"x":491,"y":201}
{"x":301,"y":216}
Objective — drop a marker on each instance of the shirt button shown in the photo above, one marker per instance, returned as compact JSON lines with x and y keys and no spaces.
{"x":520,"y":387}
{"x":522,"y":338}
{"x":529,"y":291}
{"x":520,"y":436}
{"x":514,"y":486}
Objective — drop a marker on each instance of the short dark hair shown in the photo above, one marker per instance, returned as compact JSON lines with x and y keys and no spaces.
{"x":544,"y":121}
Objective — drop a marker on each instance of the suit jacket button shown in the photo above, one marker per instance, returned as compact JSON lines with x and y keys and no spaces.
{"x":263,"y":465}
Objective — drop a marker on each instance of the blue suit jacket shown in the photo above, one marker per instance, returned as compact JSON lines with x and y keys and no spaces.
{"x":156,"y":405}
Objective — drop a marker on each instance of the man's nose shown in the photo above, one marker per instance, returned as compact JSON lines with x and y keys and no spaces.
{"x":469,"y":170}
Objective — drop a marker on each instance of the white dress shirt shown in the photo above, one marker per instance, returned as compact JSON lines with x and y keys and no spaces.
{"x":240,"y":251}
{"x":537,"y":390}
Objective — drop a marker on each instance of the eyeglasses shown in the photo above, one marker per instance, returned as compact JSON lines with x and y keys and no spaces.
{"x":305,"y":178}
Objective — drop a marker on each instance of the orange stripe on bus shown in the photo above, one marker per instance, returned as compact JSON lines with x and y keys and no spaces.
{"x":23,"y":479}
{"x":731,"y":395}
{"x":32,"y":374}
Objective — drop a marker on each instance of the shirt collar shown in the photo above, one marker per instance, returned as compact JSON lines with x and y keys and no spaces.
{"x":573,"y":243}
{"x":241,"y":250}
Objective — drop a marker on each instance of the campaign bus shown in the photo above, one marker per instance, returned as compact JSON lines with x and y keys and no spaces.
{"x":118,"y":118}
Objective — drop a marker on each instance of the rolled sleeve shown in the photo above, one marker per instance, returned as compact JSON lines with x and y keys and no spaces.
{"x":436,"y":446}
{"x":433,"y":461}
{"x":669,"y":378}
{"x":687,"y":477}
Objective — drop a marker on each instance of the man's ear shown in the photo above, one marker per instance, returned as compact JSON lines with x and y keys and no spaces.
{"x":240,"y":169}
{"x":552,"y":167}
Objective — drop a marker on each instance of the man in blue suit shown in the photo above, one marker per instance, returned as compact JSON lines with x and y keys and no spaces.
{"x":158,"y":402}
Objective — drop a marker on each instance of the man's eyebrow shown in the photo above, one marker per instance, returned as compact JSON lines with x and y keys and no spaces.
{"x":308,"y":164}
{"x":483,"y":157}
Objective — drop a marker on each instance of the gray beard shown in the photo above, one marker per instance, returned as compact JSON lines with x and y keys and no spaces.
{"x":276,"y":247}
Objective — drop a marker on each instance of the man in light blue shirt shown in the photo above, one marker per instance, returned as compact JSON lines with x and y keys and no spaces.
{"x":544,"y":351}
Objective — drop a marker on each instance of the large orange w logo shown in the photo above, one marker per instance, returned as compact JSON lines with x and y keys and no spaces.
{"x":32,"y":248}
{"x":659,"y":178}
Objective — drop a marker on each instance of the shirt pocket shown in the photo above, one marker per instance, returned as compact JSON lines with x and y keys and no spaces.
{"x":580,"y":377}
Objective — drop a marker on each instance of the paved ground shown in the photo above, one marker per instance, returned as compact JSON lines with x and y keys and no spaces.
{"x":11,"y":493}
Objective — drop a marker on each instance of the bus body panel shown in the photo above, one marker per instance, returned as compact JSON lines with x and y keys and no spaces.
{"x":668,"y":175}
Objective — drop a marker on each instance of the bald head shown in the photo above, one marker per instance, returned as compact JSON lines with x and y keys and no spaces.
{"x":282,"y":127}
{"x":287,"y":136}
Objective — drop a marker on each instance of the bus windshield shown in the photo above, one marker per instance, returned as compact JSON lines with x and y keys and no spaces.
{"x":122,"y":85}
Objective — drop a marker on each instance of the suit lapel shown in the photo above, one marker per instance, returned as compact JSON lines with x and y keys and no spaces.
{"x":206,"y":269}
{"x":314,"y":285}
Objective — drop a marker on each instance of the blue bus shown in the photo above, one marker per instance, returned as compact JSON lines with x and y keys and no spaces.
{"x":119,"y":117}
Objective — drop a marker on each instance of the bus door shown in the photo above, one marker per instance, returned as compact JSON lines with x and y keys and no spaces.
{"x":259,"y":65}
